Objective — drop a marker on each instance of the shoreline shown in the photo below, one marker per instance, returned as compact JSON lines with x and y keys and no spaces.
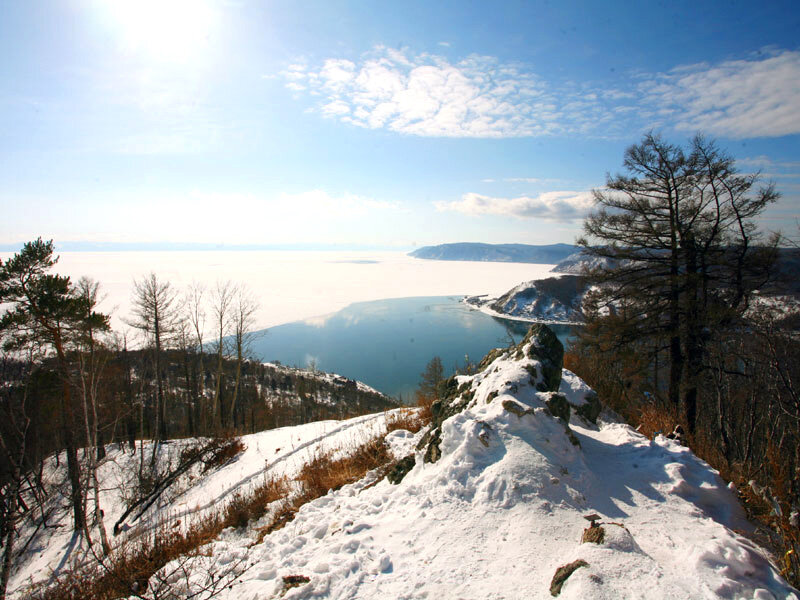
{"x":493,"y":313}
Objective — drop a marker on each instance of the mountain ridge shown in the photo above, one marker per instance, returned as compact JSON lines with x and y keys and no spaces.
{"x":480,"y":252}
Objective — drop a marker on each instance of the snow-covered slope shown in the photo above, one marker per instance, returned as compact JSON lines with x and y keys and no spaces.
{"x":578,"y":263}
{"x":551,"y":300}
{"x":494,"y":504}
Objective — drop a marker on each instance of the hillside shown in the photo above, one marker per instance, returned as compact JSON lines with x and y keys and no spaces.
{"x":555,"y":299}
{"x":523,"y":253}
{"x":488,"y":502}
{"x":578,"y":262}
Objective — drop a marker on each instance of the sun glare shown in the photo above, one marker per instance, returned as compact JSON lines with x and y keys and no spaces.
{"x":169,"y":30}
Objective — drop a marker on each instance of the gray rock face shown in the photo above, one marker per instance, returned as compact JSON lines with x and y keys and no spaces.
{"x":558,"y":406}
{"x":548,"y":350}
{"x":401,"y":469}
{"x":591,"y":410}
{"x":454,"y":400}
{"x":544,"y":347}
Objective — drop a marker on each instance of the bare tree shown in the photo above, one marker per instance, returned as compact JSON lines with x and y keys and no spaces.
{"x":155,"y":314}
{"x":244,"y":315}
{"x":195,"y":314}
{"x":91,"y":361}
{"x":222,"y":305}
{"x":13,"y":442}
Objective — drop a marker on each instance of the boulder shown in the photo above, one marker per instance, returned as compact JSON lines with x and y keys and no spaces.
{"x":591,"y":409}
{"x":548,"y":350}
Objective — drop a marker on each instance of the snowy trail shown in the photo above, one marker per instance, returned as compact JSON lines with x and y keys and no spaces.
{"x":327,"y":437}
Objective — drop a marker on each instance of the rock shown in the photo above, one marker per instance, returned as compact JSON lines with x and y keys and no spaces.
{"x":491,"y":357}
{"x":401,"y":469}
{"x":558,"y":406}
{"x":548,"y":350}
{"x":455,"y":399}
{"x":515,"y":407}
{"x":591,"y":409}
{"x":562,"y":574}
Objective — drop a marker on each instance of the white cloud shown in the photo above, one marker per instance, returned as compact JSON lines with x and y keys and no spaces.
{"x":738,"y":98}
{"x":337,"y":107}
{"x":427,"y":95}
{"x":765,"y":162}
{"x":524,"y":180}
{"x":481,"y":97}
{"x":556,"y":206}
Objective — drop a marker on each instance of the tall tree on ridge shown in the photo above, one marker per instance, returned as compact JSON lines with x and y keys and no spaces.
{"x":223,"y":299}
{"x":244,"y":312}
{"x":679,"y":229}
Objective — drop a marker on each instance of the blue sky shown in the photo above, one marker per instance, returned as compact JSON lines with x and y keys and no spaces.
{"x":365,"y":123}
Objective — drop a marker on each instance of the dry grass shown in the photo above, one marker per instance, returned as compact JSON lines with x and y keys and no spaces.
{"x":228,"y":449}
{"x":406,"y":418}
{"x":324,"y":473}
{"x":424,"y":402}
{"x":133,"y":565}
{"x":654,"y":418}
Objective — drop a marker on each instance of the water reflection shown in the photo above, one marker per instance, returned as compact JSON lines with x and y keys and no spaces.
{"x":387,"y":343}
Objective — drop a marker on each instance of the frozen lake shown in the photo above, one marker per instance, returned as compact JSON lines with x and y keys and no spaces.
{"x":295,"y":285}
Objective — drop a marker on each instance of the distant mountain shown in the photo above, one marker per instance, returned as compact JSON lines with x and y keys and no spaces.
{"x":520,"y":253}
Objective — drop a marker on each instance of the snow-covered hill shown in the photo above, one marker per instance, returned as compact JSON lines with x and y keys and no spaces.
{"x":551,"y":300}
{"x":490,"y":503}
{"x":578,"y":263}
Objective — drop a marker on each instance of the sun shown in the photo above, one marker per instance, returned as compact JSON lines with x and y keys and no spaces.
{"x":164,"y":30}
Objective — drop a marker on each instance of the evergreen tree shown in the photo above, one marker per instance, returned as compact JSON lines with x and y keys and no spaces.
{"x":46,"y":310}
{"x":431,"y":378}
{"x":679,"y":232}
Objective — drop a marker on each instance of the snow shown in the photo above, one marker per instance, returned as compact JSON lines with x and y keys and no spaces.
{"x":292,"y":285}
{"x":483,"y":304}
{"x":496,"y":515}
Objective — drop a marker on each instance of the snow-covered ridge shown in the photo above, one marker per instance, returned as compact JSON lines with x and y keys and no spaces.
{"x":502,"y":506}
{"x":551,"y":300}
{"x":330,"y":378}
{"x":492,"y":504}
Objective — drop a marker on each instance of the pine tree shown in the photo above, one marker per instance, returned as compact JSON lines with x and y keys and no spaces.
{"x":680,"y":235}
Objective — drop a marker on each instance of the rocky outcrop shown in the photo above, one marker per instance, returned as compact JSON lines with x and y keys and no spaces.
{"x":542,"y":355}
{"x":545,"y":347}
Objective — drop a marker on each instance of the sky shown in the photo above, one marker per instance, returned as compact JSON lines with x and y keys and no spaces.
{"x":370,"y":124}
